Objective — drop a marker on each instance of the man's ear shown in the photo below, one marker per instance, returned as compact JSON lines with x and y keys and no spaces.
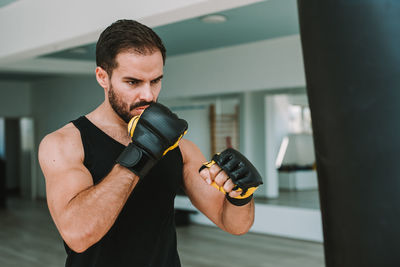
{"x":102,"y":78}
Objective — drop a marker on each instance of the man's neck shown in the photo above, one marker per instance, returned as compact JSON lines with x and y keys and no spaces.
{"x":105,"y":118}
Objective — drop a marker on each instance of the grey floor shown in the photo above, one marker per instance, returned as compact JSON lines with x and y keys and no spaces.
{"x":308,"y":199}
{"x":28,"y":238}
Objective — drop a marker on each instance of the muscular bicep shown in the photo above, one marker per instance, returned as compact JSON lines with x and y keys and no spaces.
{"x":60,"y":159}
{"x":203,"y":196}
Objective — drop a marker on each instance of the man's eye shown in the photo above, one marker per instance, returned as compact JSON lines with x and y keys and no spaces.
{"x":133,"y":82}
{"x":156,"y":81}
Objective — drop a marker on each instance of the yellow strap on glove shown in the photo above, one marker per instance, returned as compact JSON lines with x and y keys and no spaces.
{"x":249,"y":192}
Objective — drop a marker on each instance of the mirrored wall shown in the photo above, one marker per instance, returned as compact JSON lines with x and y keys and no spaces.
{"x":273,"y":130}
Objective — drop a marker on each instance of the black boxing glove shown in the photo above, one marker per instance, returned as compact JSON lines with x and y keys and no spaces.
{"x":242,"y":173}
{"x":154,"y":132}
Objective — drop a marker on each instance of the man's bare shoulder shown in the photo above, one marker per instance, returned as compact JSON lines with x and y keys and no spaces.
{"x":63,"y":143}
{"x":64,"y":136}
{"x":190,"y":151}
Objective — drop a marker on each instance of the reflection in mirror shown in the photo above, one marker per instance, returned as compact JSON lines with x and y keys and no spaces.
{"x":295,"y":158}
{"x":224,"y":125}
{"x":273,"y":130}
{"x":213,"y":122}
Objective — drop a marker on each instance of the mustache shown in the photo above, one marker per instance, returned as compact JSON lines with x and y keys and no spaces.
{"x":140,"y":104}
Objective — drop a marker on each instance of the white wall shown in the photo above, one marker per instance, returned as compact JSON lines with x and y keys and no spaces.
{"x":298,"y":99}
{"x":252,"y":141}
{"x":276,"y":127}
{"x":270,"y":64}
{"x":27,"y":158}
{"x":197,"y":116}
{"x":15,"y":99}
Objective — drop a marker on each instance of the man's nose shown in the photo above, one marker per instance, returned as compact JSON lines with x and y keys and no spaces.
{"x":146,"y":94}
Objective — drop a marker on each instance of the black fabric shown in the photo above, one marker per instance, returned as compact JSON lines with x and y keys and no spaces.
{"x":239,"y":201}
{"x":351,"y":58}
{"x":144,"y":233}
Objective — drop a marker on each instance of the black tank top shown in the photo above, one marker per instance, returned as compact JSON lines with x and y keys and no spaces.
{"x":144,"y":232}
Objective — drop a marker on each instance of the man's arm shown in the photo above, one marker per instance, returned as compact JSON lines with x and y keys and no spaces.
{"x":82,"y":212}
{"x":211,"y":202}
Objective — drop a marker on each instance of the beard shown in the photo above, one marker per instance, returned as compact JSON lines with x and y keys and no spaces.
{"x":121,"y":108}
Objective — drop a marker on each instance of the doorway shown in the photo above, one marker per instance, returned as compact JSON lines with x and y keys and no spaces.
{"x":17,"y":159}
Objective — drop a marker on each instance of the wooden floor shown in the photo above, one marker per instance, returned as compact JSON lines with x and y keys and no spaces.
{"x":28,"y":238}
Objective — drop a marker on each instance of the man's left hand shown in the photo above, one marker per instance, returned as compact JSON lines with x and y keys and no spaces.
{"x":232,"y":173}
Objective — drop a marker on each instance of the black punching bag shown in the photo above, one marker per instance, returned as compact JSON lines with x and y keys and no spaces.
{"x":351,"y":54}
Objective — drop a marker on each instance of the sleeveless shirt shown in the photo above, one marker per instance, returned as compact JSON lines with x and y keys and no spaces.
{"x":144,"y":232}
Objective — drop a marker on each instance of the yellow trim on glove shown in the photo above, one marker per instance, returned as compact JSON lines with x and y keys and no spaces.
{"x":174,"y":145}
{"x":132,"y":124}
{"x":208,"y":164}
{"x":221,"y":188}
{"x":249,"y":192}
{"x":131,"y":129}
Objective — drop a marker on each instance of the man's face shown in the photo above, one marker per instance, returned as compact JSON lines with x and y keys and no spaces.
{"x":135,"y":83}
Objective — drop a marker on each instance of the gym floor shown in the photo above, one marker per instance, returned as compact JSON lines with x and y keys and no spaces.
{"x":308,"y":199}
{"x":28,"y":237}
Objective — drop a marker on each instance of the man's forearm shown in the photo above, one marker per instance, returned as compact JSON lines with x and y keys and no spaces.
{"x":92,"y":212}
{"x":237,"y":220}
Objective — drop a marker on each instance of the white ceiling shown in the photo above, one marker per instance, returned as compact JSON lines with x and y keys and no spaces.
{"x":255,"y":21}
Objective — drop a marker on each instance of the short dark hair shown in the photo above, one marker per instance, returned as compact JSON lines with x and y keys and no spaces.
{"x":124,"y":35}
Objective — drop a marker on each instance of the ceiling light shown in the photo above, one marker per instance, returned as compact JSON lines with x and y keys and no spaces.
{"x":215,"y":18}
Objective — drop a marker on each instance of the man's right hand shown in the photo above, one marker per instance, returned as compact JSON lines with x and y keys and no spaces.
{"x":155,"y":132}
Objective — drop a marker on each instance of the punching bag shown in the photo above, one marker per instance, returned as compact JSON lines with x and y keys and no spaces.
{"x":351,"y":52}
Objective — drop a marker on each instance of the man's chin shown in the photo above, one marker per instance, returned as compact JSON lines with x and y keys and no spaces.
{"x":132,"y":114}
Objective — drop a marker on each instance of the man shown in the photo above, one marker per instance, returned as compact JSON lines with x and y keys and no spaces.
{"x":111,"y":194}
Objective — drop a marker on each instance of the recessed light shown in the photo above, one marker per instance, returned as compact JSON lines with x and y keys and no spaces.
{"x":215,"y":18}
